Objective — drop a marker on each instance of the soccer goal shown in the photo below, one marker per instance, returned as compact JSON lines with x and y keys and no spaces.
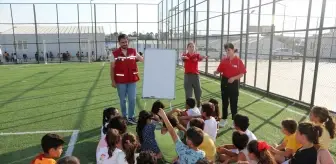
{"x":68,"y":50}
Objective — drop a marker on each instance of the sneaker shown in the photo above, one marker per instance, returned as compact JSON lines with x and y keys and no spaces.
{"x":132,"y":121}
{"x":222,"y":123}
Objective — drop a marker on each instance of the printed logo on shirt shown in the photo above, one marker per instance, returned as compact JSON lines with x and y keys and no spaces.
{"x":235,"y":66}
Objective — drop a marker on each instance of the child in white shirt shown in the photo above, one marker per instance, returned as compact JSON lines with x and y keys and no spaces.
{"x":210,"y":123}
{"x":191,"y":112}
{"x":241,"y":124}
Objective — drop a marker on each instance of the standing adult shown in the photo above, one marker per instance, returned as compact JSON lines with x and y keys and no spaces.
{"x":124,"y":75}
{"x":191,"y":74}
{"x":231,"y":69}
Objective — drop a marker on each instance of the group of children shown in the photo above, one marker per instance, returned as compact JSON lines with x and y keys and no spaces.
{"x":193,"y":133}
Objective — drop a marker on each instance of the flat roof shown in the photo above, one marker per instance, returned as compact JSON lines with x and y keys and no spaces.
{"x":53,"y":30}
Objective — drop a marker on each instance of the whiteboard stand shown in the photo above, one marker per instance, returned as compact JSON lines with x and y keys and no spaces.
{"x":159,"y":75}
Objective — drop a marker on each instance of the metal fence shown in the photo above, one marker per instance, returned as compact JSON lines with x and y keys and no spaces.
{"x":63,"y":32}
{"x":288,"y":46}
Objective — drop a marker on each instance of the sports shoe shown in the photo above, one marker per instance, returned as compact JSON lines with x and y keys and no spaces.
{"x":222,"y":123}
{"x":132,"y":121}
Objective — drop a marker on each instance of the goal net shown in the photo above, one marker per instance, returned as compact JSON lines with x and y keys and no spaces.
{"x":71,"y":50}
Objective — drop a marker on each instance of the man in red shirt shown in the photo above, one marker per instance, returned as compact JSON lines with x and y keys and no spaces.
{"x":124,"y":75}
{"x":231,"y":69}
{"x":191,"y":74}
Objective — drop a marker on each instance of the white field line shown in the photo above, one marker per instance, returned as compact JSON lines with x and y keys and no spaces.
{"x":21,"y":66}
{"x":36,"y":132}
{"x":263,"y":100}
{"x":71,"y":144}
{"x":103,"y":64}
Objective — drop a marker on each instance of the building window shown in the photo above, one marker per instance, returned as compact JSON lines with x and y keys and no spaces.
{"x":21,"y":45}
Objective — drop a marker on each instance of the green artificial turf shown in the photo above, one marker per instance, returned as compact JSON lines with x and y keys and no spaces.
{"x":72,"y":96}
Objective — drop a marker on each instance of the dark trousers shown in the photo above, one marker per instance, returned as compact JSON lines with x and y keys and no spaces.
{"x":230,"y":93}
{"x":192,"y":83}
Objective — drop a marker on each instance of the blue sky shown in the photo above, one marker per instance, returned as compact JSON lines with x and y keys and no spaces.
{"x":295,"y":10}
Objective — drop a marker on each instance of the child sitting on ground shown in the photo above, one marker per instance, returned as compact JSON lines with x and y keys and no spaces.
{"x":68,"y":160}
{"x":118,"y":123}
{"x":187,"y":153}
{"x":208,"y":145}
{"x":157,"y":105}
{"x":210,"y":122}
{"x":239,"y":140}
{"x":216,"y":113}
{"x":52,"y":146}
{"x":289,"y":144}
{"x":107,"y":115}
{"x":241,"y":124}
{"x":146,"y":133}
{"x":129,"y":146}
{"x":320,"y":116}
{"x":190,"y":112}
{"x":111,"y":153}
{"x":146,"y":157}
{"x":259,"y":152}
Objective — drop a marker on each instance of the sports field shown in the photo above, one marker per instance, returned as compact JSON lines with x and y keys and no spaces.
{"x":69,"y":99}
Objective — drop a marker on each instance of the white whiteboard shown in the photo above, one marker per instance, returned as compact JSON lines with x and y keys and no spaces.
{"x":159,"y":74}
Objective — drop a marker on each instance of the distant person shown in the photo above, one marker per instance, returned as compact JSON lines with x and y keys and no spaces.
{"x":52,"y":146}
{"x":192,"y":81}
{"x":25,"y":57}
{"x":1,"y":55}
{"x":231,"y":69}
{"x":15,"y":58}
{"x":68,"y":160}
{"x":36,"y":57}
{"x":124,"y":76}
{"x":6,"y":55}
{"x":51,"y":56}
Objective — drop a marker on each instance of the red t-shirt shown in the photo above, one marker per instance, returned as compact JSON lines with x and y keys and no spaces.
{"x":191,"y":64}
{"x":230,"y":68}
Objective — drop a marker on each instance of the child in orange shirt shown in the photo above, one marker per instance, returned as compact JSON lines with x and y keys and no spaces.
{"x":52,"y":145}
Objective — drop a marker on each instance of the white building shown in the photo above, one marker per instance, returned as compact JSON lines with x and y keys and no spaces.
{"x":328,"y":45}
{"x":68,"y":37}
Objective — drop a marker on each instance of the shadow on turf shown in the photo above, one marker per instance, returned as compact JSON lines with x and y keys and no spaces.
{"x":82,"y":112}
{"x":18,"y":81}
{"x":32,"y":88}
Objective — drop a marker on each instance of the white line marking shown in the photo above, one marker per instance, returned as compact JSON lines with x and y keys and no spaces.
{"x":36,"y":132}
{"x":21,"y":66}
{"x":266,"y":101}
{"x":103,"y":64}
{"x":72,"y":142}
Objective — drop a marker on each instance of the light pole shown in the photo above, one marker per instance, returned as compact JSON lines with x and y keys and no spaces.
{"x":90,"y":53}
{"x":284,"y":16}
